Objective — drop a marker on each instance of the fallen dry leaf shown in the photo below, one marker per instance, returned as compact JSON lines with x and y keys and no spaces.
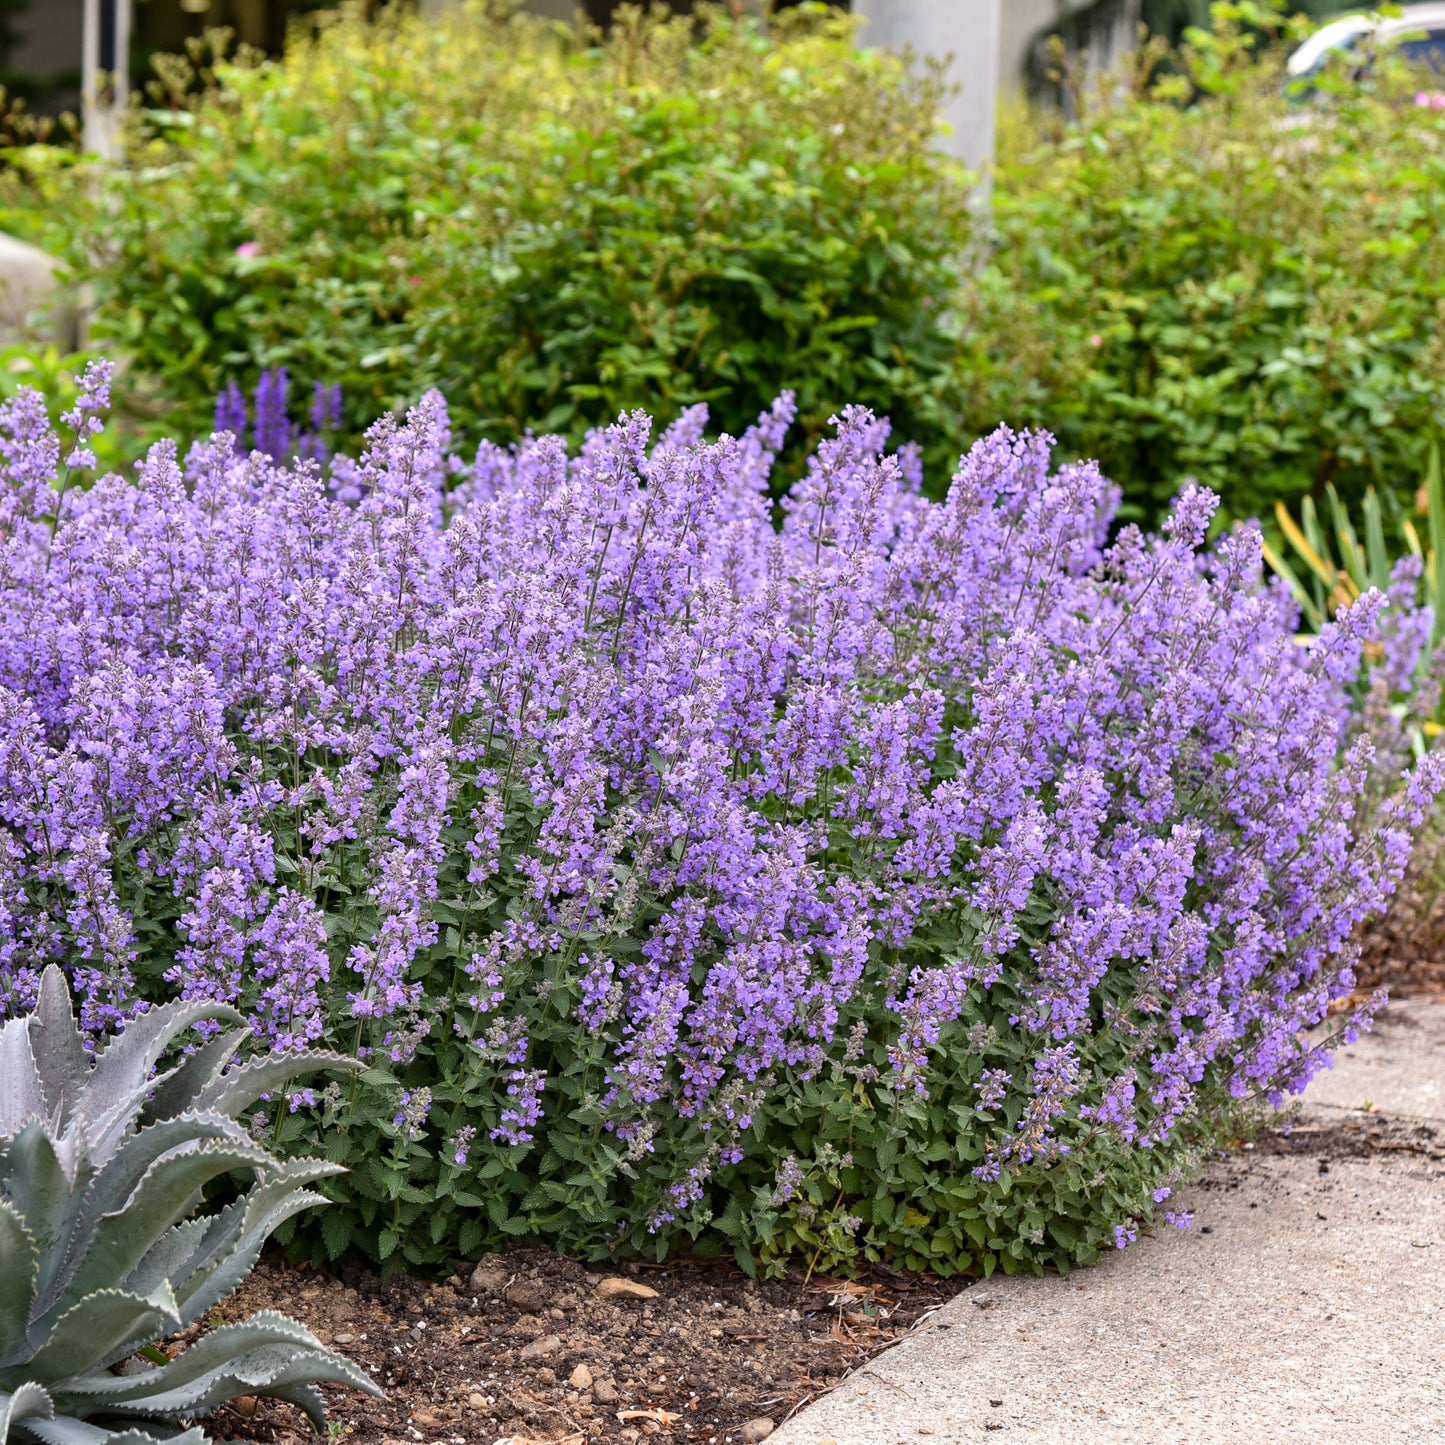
{"x":615,"y":1288}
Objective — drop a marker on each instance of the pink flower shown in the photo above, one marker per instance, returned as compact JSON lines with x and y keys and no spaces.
{"x":1096,"y":340}
{"x":249,"y":248}
{"x":1430,"y":102}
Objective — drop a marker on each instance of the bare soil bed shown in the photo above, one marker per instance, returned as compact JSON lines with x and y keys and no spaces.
{"x":527,"y":1347}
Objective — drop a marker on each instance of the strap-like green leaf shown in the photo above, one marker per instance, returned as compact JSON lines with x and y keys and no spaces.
{"x":1377,"y":554}
{"x":1435,"y":501}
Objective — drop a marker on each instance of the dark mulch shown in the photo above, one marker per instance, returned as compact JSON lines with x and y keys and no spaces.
{"x":530,"y":1352}
{"x":1405,"y":950}
{"x":1367,"y":1138}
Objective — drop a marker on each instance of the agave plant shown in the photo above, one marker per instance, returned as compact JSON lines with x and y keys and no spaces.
{"x":102,"y":1253}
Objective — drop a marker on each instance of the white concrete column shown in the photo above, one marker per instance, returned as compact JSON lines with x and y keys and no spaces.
{"x":104,"y":73}
{"x":966,"y":32}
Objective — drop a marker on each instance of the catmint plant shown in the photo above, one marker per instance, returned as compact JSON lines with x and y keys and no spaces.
{"x":265,"y":423}
{"x":880,"y":879}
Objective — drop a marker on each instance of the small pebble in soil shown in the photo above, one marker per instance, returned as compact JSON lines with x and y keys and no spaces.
{"x":580,"y":1378}
{"x":605,"y":1392}
{"x":529,"y":1297}
{"x":757,"y":1430}
{"x":1208,"y":1229}
{"x":490,"y":1276}
{"x":547,"y":1345}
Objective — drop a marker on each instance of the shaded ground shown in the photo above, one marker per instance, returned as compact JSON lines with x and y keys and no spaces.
{"x":1405,"y":950}
{"x":711,"y":1352}
{"x":1327,"y":1139}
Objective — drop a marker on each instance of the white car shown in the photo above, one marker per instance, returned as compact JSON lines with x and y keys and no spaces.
{"x":1416,"y":34}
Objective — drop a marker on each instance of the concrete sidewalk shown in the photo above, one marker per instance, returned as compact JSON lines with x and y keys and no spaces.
{"x":1312,"y":1309}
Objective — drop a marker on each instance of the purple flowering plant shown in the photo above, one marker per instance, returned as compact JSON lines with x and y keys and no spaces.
{"x":877,"y":879}
{"x":266,"y":423}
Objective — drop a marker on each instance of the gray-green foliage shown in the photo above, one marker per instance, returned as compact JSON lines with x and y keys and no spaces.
{"x":102,"y":1164}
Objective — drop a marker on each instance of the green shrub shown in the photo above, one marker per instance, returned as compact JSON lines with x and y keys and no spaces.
{"x":1241,"y":290}
{"x":549,"y":227}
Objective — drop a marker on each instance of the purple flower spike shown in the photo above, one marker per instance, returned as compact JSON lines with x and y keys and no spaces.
{"x":631,"y":828}
{"x":232,"y":414}
{"x":273,"y":426}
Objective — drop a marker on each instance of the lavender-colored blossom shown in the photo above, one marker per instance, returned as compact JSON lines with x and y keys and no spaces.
{"x":413,"y":1109}
{"x":325,"y":411}
{"x":232,"y":413}
{"x":273,"y":424}
{"x":84,"y":418}
{"x":402,"y":750}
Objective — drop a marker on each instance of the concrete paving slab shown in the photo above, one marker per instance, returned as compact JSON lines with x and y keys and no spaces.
{"x":1398,"y":1068}
{"x":1312,"y":1309}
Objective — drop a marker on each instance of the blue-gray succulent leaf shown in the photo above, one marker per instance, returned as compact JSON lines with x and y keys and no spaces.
{"x":116,"y":1089}
{"x":28,"y":1401}
{"x":67,"y":1430}
{"x":58,"y":1046}
{"x":250,"y":1357}
{"x":19,"y":1262}
{"x":21,"y":1097}
{"x":138,"y":1152}
{"x":46,"y":1179}
{"x":207,"y":1286}
{"x":105,"y":1323}
{"x":164,"y":1196}
{"x":239,"y":1088}
{"x":184,"y":1084}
